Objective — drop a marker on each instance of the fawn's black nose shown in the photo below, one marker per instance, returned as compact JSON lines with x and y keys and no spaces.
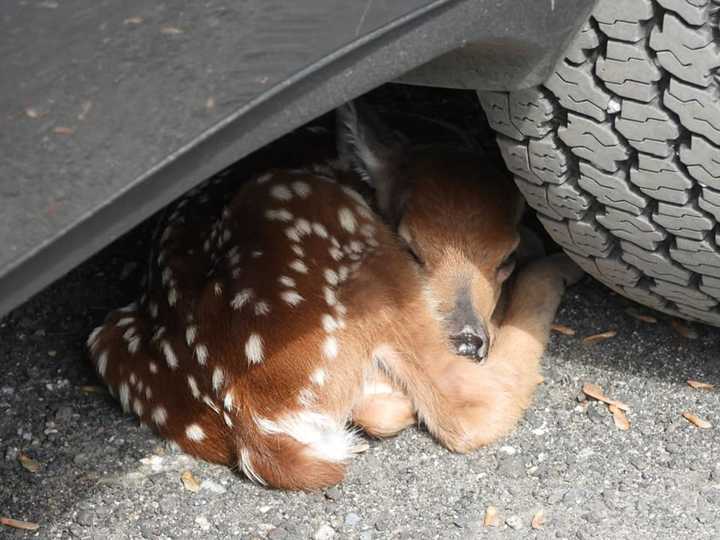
{"x":471,"y":343}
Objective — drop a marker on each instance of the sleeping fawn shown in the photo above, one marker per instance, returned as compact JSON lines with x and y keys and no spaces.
{"x":271,"y":325}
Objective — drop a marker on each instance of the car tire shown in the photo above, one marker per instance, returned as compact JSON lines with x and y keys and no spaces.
{"x":619,"y":151}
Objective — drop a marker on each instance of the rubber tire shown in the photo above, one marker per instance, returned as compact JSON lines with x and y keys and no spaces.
{"x":619,"y":151}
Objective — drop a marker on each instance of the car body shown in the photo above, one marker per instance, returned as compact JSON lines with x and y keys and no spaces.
{"x":111,"y":109}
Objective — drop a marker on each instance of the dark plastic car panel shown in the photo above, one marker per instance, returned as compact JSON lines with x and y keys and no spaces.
{"x":111,"y":109}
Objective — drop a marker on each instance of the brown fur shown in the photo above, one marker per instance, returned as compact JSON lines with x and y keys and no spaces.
{"x":274,"y":416}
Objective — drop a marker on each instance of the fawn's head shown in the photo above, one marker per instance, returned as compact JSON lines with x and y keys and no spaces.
{"x":456,"y":213}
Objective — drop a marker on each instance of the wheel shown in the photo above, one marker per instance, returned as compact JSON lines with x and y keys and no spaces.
{"x":619,"y":151}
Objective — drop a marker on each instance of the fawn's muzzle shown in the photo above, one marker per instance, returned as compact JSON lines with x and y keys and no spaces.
{"x":471,"y":343}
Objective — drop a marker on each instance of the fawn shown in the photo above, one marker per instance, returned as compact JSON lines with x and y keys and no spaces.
{"x":269,"y":326}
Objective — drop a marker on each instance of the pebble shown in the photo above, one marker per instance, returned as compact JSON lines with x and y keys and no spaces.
{"x":214,"y":487}
{"x":574,"y":496}
{"x":639,"y":462}
{"x":333,"y":493}
{"x":203,"y":523}
{"x":514,"y":522}
{"x":80,"y":458}
{"x":277,"y":534}
{"x":84,"y":518}
{"x":325,"y":532}
{"x":471,"y":520}
{"x":597,"y":412}
{"x":352,"y":519}
{"x":63,"y":414}
{"x":672,"y":448}
{"x":7,"y":390}
{"x":383,"y":521}
{"x":11,"y":453}
{"x":595,"y":514}
{"x":512,"y":466}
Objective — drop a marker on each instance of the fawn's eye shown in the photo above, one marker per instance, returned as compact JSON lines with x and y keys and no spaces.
{"x":414,"y":253}
{"x":404,"y":233}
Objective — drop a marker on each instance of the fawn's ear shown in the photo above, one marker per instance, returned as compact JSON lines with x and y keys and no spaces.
{"x":375,"y":152}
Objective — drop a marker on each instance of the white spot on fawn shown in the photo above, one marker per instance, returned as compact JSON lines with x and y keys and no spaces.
{"x":318,"y":376}
{"x":152,"y":366}
{"x":217,"y":288}
{"x":102,"y":361}
{"x":330,"y":348}
{"x":169,"y":354}
{"x":354,"y":195}
{"x":306,"y":397}
{"x":201,"y":354}
{"x":129,"y":333}
{"x":330,"y":298}
{"x":297,"y":250}
{"x":336,"y":253}
{"x":159,"y":415}
{"x":153,"y":308}
{"x":303,"y":227}
{"x":329,"y":323}
{"x":320,"y":230}
{"x":264,"y":178}
{"x":325,"y":437}
{"x":331,"y":276}
{"x":262,"y":308}
{"x":281,"y":192}
{"x":241,"y":298}
{"x":347,"y":219}
{"x":292,"y":234}
{"x":278,"y":215}
{"x":132,"y":306}
{"x":287,"y":281}
{"x":124,"y":394}
{"x":125,"y":321}
{"x":228,"y":401}
{"x":217,"y":379}
{"x":210,"y":403}
{"x":194,"y":432}
{"x":248,"y":468}
{"x":293,"y":298}
{"x":191,"y":334}
{"x":92,"y":338}
{"x":138,"y":407}
{"x":299,"y":266}
{"x":172,"y":297}
{"x":192,"y":383}
{"x":254,"y":349}
{"x":166,"y":275}
{"x":302,"y":189}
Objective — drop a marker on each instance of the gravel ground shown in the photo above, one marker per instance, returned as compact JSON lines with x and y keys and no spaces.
{"x":102,"y":476}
